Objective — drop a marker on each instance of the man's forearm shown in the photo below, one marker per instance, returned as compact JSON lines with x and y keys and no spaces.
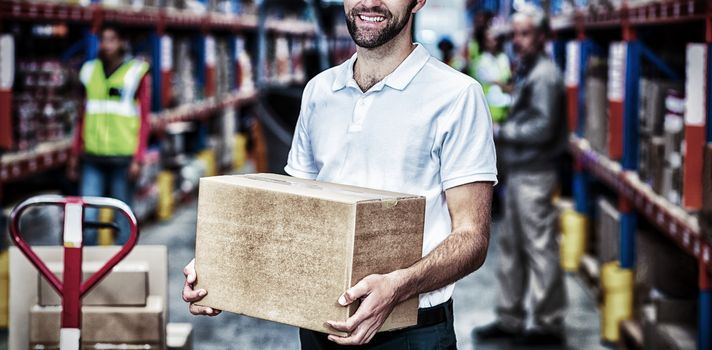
{"x":462,"y":253}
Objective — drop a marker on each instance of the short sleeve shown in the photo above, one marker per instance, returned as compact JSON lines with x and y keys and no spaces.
{"x":300,"y":162}
{"x":467,"y":152}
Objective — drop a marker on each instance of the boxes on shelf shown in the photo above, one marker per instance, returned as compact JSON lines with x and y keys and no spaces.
{"x":45,"y":102}
{"x":608,"y":231}
{"x":596,"y":131}
{"x":662,"y":107}
{"x":669,"y":324}
{"x":261,"y":235}
{"x":184,"y":85}
{"x":668,"y":270}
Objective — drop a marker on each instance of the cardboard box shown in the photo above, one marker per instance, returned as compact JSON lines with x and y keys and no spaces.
{"x":284,"y":249}
{"x":125,"y":285}
{"x":103,"y":324}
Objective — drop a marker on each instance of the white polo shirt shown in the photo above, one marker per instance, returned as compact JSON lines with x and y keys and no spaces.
{"x":423,"y":129}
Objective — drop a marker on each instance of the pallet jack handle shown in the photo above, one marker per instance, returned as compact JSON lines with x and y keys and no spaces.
{"x":72,"y":289}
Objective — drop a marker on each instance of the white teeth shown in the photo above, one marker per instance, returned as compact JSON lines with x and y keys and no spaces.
{"x":372,"y":19}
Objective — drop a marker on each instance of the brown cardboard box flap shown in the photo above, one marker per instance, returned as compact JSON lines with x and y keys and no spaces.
{"x":126,"y":285}
{"x":284,"y":249}
{"x":103,"y":324}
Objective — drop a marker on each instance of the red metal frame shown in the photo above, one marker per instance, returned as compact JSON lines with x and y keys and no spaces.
{"x":72,"y":289}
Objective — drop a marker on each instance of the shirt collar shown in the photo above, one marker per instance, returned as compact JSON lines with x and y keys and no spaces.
{"x":398,"y":79}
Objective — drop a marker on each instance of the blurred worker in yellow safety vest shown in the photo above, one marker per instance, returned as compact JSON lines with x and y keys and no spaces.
{"x":112,"y":132}
{"x":494,"y":73}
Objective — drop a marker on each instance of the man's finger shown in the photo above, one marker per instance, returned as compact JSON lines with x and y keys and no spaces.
{"x":189,"y":272}
{"x":361,"y":289}
{"x":190,"y":295}
{"x":356,"y":338}
{"x":203,"y":310}
{"x":352,"y":322}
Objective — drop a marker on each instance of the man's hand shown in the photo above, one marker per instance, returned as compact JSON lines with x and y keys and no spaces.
{"x":379,"y":294}
{"x":134,"y":170}
{"x":73,"y":168}
{"x":192,"y":296}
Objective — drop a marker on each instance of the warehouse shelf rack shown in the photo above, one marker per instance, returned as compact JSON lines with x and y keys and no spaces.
{"x":159,"y":23}
{"x":677,"y":224}
{"x":636,"y":199}
{"x":145,"y":17}
{"x":657,"y":13}
{"x":15,"y":166}
{"x":201,"y":110}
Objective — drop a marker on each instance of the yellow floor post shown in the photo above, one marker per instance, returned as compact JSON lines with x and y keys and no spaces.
{"x":105,"y":235}
{"x":240,"y":152}
{"x":617,"y":286}
{"x":573,"y":239}
{"x":4,"y":284}
{"x":208,"y":157}
{"x":166,"y":184}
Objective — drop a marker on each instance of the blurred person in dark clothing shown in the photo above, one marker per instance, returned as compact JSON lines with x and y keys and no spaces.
{"x":530,"y":143}
{"x":111,"y":135}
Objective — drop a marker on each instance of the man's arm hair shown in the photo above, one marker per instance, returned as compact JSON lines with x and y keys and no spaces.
{"x":463,"y":252}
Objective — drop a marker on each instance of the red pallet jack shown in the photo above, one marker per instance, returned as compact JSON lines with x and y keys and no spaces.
{"x":72,"y":289}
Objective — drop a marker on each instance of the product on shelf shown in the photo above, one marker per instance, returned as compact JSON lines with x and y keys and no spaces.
{"x":223,"y":70}
{"x":245,"y":80}
{"x":45,"y":102}
{"x":672,"y":172}
{"x":184,"y":84}
{"x":608,"y":231}
{"x":596,"y":105}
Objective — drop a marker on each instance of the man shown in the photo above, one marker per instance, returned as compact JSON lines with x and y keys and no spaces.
{"x":394,"y":118}
{"x":530,"y":142}
{"x":113,"y":131}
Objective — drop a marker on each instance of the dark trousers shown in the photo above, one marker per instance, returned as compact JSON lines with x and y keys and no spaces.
{"x":97,"y":175}
{"x":421,"y":337}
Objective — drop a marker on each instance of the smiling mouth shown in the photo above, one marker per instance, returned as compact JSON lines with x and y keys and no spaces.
{"x":372,"y":19}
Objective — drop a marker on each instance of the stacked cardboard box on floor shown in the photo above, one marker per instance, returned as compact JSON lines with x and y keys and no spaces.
{"x":118,"y":310}
{"x":126,"y":310}
{"x":284,"y":249}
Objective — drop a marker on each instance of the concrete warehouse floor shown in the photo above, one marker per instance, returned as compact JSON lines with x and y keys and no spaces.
{"x":474,"y":301}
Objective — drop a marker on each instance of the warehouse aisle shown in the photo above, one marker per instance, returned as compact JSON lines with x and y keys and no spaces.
{"x":474,"y":301}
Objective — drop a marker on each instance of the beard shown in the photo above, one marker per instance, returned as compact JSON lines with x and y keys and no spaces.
{"x":371,"y":39}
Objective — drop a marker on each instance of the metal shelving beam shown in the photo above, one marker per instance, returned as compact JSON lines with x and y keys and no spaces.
{"x":672,"y":220}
